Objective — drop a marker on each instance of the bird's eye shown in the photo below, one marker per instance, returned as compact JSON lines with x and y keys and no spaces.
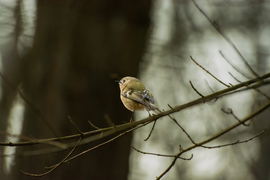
{"x":124,"y":81}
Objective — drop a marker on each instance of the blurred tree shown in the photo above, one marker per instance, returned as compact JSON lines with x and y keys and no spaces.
{"x":188,"y":32}
{"x":79,"y":49}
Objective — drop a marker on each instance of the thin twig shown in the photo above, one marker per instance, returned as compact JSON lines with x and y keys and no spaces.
{"x":235,"y":67}
{"x":16,"y":135}
{"x":76,"y":127}
{"x":237,"y":142}
{"x":262,"y":93}
{"x":54,"y":143}
{"x":195,"y":89}
{"x":217,"y":27}
{"x":209,"y":86}
{"x":230,"y":111}
{"x":234,"y":77}
{"x":163,"y":155}
{"x":170,"y":106}
{"x":93,"y":125}
{"x":211,"y":89}
{"x":109,"y":121}
{"x":182,"y":129}
{"x":209,"y":72}
{"x":153,"y":127}
{"x":245,"y":89}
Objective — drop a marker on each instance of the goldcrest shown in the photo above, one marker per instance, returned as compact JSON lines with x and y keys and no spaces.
{"x":134,"y":95}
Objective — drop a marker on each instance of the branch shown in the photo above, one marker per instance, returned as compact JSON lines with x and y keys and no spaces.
{"x":230,"y":111}
{"x":259,"y":91}
{"x":111,"y":130}
{"x":214,"y":137}
{"x":182,"y":129}
{"x":153,"y":127}
{"x":237,"y":142}
{"x":99,"y":145}
{"x":163,"y":155}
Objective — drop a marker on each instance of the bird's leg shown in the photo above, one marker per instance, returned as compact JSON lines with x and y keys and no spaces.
{"x":132,"y":117}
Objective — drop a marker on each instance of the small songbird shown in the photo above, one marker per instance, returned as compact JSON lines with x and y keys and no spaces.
{"x":135,"y":96}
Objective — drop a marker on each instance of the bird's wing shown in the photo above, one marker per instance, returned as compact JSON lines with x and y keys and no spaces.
{"x":139,"y":97}
{"x":148,"y":96}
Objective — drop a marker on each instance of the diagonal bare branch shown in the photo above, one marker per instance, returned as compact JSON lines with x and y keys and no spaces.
{"x":217,"y":27}
{"x":208,"y":72}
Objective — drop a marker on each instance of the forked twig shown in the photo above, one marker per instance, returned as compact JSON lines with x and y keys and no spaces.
{"x":230,"y":111}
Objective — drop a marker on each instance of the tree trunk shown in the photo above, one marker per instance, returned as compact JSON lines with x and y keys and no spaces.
{"x":79,"y":49}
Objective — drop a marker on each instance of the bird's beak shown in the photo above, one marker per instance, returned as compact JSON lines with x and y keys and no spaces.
{"x":117,"y":81}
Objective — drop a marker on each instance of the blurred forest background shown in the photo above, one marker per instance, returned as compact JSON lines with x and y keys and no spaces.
{"x":64,"y":57}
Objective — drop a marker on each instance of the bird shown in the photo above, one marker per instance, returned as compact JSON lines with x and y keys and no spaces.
{"x":135,"y":96}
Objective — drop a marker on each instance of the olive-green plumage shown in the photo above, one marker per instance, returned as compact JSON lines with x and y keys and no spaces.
{"x":134,"y":95}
